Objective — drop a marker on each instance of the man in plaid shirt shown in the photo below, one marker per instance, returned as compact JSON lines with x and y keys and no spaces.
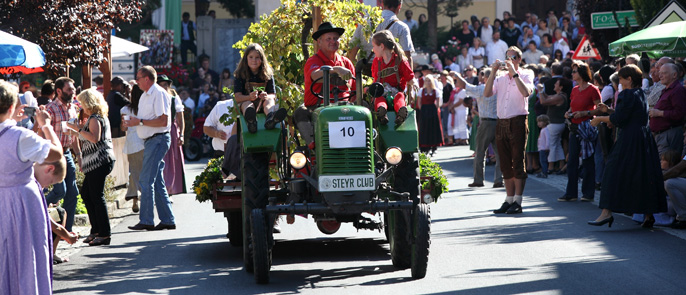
{"x":62,"y":109}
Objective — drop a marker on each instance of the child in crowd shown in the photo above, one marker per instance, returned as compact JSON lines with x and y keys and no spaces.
{"x":49,"y":173}
{"x":543,"y":149}
{"x":464,"y":59}
{"x":390,"y":67}
{"x":254,"y":89}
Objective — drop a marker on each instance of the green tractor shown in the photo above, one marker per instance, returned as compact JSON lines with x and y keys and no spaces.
{"x":356,"y":168}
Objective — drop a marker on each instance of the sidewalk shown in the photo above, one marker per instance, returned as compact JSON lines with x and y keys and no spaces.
{"x":117,"y":209}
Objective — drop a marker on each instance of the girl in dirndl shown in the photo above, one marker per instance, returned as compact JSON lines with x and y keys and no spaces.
{"x":390,"y":68}
{"x":430,"y":129}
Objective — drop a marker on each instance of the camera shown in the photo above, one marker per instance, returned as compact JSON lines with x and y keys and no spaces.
{"x":30,"y":111}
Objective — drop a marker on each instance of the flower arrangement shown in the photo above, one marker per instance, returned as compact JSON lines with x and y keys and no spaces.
{"x":450,"y":50}
{"x":438,"y":183}
{"x":177,"y":72}
{"x":204,"y":183}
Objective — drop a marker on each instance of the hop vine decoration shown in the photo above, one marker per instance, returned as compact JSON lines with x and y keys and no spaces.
{"x":230,"y":118}
{"x":280,"y":35}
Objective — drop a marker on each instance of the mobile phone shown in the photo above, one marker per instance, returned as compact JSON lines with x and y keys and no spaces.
{"x":30,"y":111}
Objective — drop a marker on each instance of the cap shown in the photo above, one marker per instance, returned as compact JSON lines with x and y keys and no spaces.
{"x":98,"y":79}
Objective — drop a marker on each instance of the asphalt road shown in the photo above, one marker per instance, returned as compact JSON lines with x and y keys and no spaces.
{"x":548,"y":249}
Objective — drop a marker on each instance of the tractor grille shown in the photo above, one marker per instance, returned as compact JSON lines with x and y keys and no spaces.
{"x":346,"y":161}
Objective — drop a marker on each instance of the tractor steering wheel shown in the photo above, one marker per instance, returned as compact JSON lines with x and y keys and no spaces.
{"x":320,"y":97}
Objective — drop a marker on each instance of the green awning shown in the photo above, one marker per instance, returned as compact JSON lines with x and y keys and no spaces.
{"x":663,"y":40}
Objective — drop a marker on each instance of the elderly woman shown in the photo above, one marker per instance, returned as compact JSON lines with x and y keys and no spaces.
{"x":25,"y":242}
{"x":96,"y":160}
{"x":632,"y":182}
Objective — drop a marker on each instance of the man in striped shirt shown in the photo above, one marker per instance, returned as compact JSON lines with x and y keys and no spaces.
{"x":62,"y":109}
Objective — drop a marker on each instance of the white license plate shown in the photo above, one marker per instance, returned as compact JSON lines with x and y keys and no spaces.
{"x":342,"y":183}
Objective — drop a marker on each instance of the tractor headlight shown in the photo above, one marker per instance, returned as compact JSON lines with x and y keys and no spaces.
{"x":298,"y":160}
{"x":394,"y":155}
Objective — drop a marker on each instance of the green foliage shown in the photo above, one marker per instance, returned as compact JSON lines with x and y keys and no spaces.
{"x":438,"y":182}
{"x":647,"y":9}
{"x":280,"y":35}
{"x":230,"y":118}
{"x":239,"y":8}
{"x":204,"y":182}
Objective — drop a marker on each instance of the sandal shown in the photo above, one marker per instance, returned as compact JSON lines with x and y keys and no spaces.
{"x":89,"y":238}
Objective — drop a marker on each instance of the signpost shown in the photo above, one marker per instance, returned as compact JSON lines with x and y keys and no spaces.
{"x":586,"y":51}
{"x":606,"y":20}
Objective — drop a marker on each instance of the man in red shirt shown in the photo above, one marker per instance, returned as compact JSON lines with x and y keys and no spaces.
{"x":327,"y":37}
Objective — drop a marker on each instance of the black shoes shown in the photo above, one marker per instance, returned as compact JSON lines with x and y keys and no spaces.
{"x":542,"y":175}
{"x":585,"y":199}
{"x":678,"y":224}
{"x":100,"y":241}
{"x":503,"y":208}
{"x":401,"y":115}
{"x":567,"y":199}
{"x":648,"y":222}
{"x":515,"y":208}
{"x":475,"y":184}
{"x":275,"y":117}
{"x":608,"y":220}
{"x":498,"y":184}
{"x":251,"y":118}
{"x":162,"y":226}
{"x":597,"y":186}
{"x":381,"y":115}
{"x":141,"y":226}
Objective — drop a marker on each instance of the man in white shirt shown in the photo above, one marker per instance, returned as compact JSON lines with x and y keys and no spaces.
{"x":450,"y":66}
{"x":412,"y":24}
{"x":214,"y":128}
{"x":486,"y":30}
{"x":154,"y":123}
{"x":496,"y":49}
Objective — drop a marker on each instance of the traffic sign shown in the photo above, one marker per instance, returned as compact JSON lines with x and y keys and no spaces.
{"x":606,"y":20}
{"x":585,"y":50}
{"x":672,"y":12}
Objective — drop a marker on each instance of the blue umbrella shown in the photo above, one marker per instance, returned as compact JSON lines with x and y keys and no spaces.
{"x":15,"y":51}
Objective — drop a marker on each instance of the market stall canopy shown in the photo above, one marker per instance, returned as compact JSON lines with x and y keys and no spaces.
{"x":663,"y":40}
{"x":15,"y":51}
{"x":122,"y":47}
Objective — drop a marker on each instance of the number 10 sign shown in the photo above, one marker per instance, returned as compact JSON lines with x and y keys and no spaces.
{"x":347,"y":134}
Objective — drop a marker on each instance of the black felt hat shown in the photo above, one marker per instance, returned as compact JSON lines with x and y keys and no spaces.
{"x":163,"y":78}
{"x":326,"y":27}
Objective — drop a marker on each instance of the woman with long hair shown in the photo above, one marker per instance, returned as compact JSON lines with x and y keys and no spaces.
{"x":133,"y":149}
{"x":391,"y":68}
{"x":477,"y":52}
{"x":254,"y":89}
{"x":96,"y":161}
{"x":225,"y":80}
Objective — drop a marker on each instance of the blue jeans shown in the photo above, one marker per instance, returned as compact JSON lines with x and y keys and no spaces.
{"x":588,"y":184}
{"x":151,"y":183}
{"x":66,"y":190}
{"x":543,"y":157}
{"x":599,"y":162}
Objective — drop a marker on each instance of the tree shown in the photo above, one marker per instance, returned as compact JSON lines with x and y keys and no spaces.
{"x":647,"y":9}
{"x":239,"y":8}
{"x":68,"y":31}
{"x":433,"y":8}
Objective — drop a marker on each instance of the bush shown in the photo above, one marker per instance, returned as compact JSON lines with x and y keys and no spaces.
{"x":438,"y":182}
{"x":203,"y":183}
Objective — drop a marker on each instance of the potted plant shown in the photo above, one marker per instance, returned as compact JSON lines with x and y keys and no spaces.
{"x":432,"y":179}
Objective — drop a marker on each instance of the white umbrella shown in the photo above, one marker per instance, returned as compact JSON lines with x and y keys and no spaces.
{"x":15,"y":51}
{"x":121,"y":47}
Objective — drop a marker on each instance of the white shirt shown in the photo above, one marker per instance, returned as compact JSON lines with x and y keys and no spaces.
{"x":212,"y":120}
{"x":531,"y":57}
{"x":562,"y":46}
{"x":178,"y":105}
{"x":453,"y":67}
{"x":476,"y":52}
{"x":607,"y":93}
{"x":30,"y":147}
{"x":486,"y":34}
{"x":496,"y":50}
{"x":134,"y":143}
{"x":189,"y":103}
{"x":153,"y":104}
{"x":399,"y":29}
{"x":412,"y":24}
